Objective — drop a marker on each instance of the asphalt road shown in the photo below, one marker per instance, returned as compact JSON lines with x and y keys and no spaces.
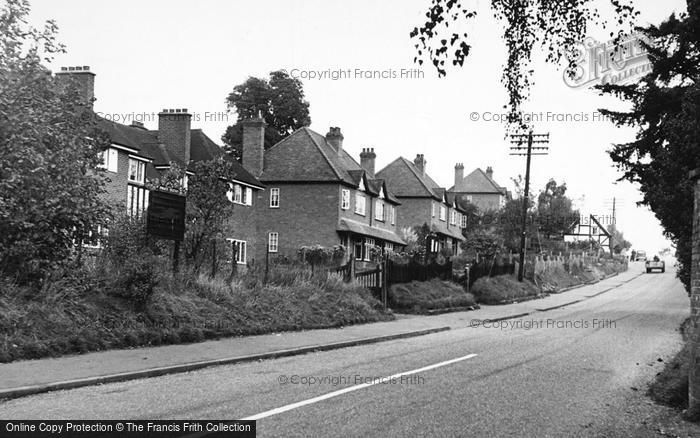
{"x":565,"y":372}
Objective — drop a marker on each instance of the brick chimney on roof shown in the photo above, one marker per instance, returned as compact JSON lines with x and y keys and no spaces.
{"x":81,"y":78}
{"x":459,"y":174}
{"x":489,"y":172}
{"x":253,"y":153}
{"x":335,"y":139}
{"x":174,"y":131}
{"x":420,"y":163}
{"x":367,"y":159}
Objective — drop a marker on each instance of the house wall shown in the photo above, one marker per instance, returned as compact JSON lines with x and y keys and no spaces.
{"x":484,"y":201}
{"x":117,"y":182}
{"x":307,"y":215}
{"x":241,"y":225}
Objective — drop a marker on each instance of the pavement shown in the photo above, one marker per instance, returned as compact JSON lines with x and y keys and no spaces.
{"x":23,"y":378}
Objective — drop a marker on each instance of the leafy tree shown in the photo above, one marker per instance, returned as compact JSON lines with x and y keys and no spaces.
{"x":665,"y":109}
{"x":207,"y":206}
{"x":619,"y":243}
{"x":279,"y":100}
{"x":553,"y":26}
{"x":49,"y":152}
{"x":555,"y":213}
{"x":482,"y":243}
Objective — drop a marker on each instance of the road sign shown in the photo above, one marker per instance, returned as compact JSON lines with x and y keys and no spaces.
{"x":165,"y":218}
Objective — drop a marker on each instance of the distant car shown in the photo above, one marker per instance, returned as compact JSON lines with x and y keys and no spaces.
{"x":641,"y":256}
{"x":655,"y":264}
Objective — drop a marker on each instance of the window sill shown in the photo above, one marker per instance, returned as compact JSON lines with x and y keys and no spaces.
{"x":360,"y":214}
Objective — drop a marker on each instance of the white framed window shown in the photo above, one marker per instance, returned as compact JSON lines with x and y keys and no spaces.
{"x":136,"y":201}
{"x":248,"y":196}
{"x":453,"y":217}
{"x":434,"y":208}
{"x":469,"y":198}
{"x":241,"y":249}
{"x":389,"y":247}
{"x":110,"y":160}
{"x":274,"y":198}
{"x":344,"y":199}
{"x":501,"y":201}
{"x":379,"y":210}
{"x":273,"y":242}
{"x":359,"y":249}
{"x":237,"y":194}
{"x":393,"y":215}
{"x":464,"y":221}
{"x":443,"y":213}
{"x":369,"y":243}
{"x":137,"y":171}
{"x":360,"y":204}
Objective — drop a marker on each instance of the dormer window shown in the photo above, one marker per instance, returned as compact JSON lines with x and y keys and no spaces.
{"x":464,"y":221}
{"x":453,"y":217}
{"x":443,"y":213}
{"x":434,"y":208}
{"x":393,"y":215}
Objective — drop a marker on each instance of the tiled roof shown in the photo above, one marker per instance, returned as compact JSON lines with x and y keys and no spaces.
{"x":306,"y":156}
{"x":478,"y":182}
{"x":407,"y":181}
{"x":147,"y":145}
{"x":359,"y":228}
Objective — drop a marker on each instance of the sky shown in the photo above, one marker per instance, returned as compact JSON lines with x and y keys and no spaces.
{"x":182,"y":54}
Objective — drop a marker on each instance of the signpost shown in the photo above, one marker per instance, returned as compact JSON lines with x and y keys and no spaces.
{"x":165,"y":219}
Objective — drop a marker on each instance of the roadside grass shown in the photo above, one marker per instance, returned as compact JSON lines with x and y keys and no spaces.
{"x":77,"y":312}
{"x":503,"y":289}
{"x":423,"y":296}
{"x":670,"y":388}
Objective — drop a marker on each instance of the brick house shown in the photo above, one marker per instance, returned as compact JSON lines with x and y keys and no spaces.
{"x":479,"y":188}
{"x":317,"y":194}
{"x":424,"y":202}
{"x":137,"y":154}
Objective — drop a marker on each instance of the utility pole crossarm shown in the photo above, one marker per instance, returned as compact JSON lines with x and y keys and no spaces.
{"x":519,"y":140}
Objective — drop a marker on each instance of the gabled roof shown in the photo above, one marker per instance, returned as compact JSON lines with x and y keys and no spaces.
{"x":478,"y":182}
{"x":407,"y":180}
{"x":306,"y":156}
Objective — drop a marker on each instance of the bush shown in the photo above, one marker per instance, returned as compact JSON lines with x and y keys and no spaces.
{"x":135,"y":280}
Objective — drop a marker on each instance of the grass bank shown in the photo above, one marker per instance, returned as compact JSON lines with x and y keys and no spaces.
{"x":670,"y":388}
{"x":425,"y":296}
{"x":503,"y":289}
{"x":79,"y":312}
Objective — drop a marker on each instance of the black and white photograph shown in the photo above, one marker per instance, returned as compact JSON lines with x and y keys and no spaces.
{"x":334,"y":218}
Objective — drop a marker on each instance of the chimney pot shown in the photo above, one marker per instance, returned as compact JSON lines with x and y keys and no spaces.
{"x":459,"y":175}
{"x":420,"y":163}
{"x":335,"y":139}
{"x":367,"y":160}
{"x":489,"y":172}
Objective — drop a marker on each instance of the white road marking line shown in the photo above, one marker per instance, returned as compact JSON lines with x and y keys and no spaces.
{"x":353,"y":388}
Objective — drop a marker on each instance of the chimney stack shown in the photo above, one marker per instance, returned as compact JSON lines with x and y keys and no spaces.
{"x":367,"y":158}
{"x":174,"y":130}
{"x":80,"y":77}
{"x":335,"y":139}
{"x":489,"y":172}
{"x":253,"y":145}
{"x":459,"y":174}
{"x":420,"y":163}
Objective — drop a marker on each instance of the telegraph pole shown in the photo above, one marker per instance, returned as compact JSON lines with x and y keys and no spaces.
{"x":518,"y":139}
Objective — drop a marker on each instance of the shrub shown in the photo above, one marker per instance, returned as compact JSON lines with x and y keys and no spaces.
{"x":135,"y":280}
